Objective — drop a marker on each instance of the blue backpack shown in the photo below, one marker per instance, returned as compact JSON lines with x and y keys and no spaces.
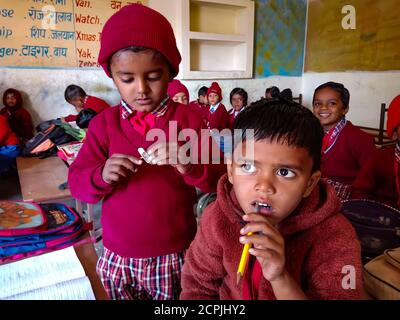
{"x":28,"y":229}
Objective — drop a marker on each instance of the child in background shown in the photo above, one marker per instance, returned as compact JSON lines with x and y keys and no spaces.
{"x":379,"y":179}
{"x":76,"y":96}
{"x":272,"y":93}
{"x":178,"y":92}
{"x":147,"y":210}
{"x":345,"y":148}
{"x":19,"y":119}
{"x":238,"y":98}
{"x":9,"y":146}
{"x":286,"y":94}
{"x":301,"y":241}
{"x":201,"y":101}
{"x":217,"y":116}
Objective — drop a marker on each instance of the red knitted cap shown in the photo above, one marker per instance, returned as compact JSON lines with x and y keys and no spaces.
{"x":138,"y":25}
{"x":175,"y":86}
{"x":216,"y":89}
{"x":393,"y":116}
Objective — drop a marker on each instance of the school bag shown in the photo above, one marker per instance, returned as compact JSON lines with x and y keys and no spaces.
{"x":382,"y":275}
{"x":28,"y":229}
{"x":44,"y":143}
{"x":377,"y":225}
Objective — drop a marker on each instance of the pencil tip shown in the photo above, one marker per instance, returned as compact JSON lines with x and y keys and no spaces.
{"x":238,"y":277}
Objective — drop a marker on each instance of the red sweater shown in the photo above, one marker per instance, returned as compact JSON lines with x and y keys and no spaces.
{"x":219,"y":119}
{"x":151,"y":214}
{"x":350,"y":152}
{"x":93,"y":103}
{"x":376,"y":180}
{"x":20,"y":121}
{"x":319,"y":242}
{"x":7,"y":137}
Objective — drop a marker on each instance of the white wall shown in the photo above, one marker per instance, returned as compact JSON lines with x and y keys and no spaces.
{"x":43,"y":89}
{"x":367,"y":91}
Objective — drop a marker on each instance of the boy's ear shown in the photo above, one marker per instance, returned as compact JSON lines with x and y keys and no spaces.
{"x":229,"y":170}
{"x":312,"y":182}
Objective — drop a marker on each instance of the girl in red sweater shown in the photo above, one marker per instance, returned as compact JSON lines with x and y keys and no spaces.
{"x":238,"y":98}
{"x":345,"y":148}
{"x":9,"y":147}
{"x":18,"y":117}
{"x":302,"y":247}
{"x":379,"y":179}
{"x":217,"y":116}
{"x":147,"y":210}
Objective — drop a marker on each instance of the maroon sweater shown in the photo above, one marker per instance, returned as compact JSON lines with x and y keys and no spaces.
{"x":93,"y":103}
{"x":350,"y":152}
{"x":219,"y":119}
{"x":150,"y":214}
{"x":319,"y":242}
{"x":376,"y":180}
{"x":20,"y":121}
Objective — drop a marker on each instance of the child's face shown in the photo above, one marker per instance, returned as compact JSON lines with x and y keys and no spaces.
{"x":78,"y":103}
{"x":11,"y":100}
{"x":278,"y":177}
{"x":203,"y":99}
{"x":213,"y":98}
{"x":237,"y":102}
{"x":328,"y":107}
{"x":141,"y":78}
{"x":181,"y":98}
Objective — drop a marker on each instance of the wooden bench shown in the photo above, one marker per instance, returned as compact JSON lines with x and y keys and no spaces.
{"x":380,"y":136}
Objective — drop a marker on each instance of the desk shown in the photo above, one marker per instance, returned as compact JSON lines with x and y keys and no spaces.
{"x":40,"y":178}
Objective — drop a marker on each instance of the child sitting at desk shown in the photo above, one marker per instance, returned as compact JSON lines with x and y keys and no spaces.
{"x":76,"y":96}
{"x":301,"y":241}
{"x":345,"y":148}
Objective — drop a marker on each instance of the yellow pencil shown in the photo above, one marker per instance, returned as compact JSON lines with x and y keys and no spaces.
{"x":245,"y":253}
{"x":243,"y":260}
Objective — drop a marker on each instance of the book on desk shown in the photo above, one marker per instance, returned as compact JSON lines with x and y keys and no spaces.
{"x":57,"y":275}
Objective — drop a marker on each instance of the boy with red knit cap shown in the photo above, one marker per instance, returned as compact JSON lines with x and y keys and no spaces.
{"x":379,"y":179}
{"x":272,"y":199}
{"x":178,"y":92}
{"x":147,"y":210}
{"x":19,"y":119}
{"x":217,"y":116}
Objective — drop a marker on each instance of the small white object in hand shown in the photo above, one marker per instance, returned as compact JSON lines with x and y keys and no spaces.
{"x":145,"y":156}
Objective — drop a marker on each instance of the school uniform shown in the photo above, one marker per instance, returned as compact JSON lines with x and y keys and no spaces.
{"x":319,"y":242}
{"x":218,"y":117}
{"x":377,"y":179}
{"x":345,"y":156}
{"x":91,"y":102}
{"x":156,"y":202}
{"x":233,"y":114}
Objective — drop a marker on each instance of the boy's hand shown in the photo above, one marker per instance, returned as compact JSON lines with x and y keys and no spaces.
{"x":268,"y":245}
{"x":119,"y":167}
{"x":169,"y":153}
